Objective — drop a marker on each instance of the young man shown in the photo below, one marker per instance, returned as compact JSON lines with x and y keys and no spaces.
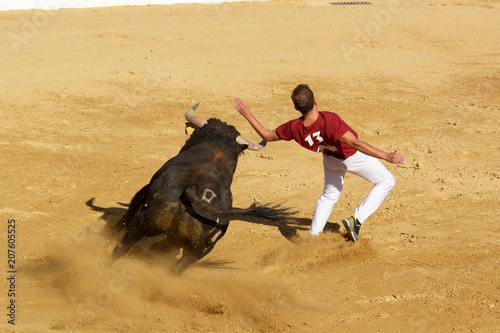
{"x":326,"y":132}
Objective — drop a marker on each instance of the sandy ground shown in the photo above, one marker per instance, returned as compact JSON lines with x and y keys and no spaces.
{"x":92,"y":104}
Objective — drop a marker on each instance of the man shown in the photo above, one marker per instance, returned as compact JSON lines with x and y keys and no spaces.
{"x":326,"y":132}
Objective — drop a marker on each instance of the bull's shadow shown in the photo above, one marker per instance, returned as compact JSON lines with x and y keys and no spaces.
{"x":110,"y":215}
{"x":289,"y":230}
{"x":113,"y":231}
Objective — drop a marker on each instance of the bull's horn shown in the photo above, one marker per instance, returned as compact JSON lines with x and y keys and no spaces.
{"x":192,"y":118}
{"x":252,"y":146}
{"x":200,"y":122}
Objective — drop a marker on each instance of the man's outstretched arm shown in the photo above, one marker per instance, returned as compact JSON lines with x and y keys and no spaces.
{"x":349,"y":139}
{"x":244,"y":110}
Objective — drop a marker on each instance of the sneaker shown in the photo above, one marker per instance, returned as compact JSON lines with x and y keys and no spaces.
{"x":352,"y":226}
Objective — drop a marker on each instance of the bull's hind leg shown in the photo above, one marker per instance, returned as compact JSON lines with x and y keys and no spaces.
{"x":129,"y":239}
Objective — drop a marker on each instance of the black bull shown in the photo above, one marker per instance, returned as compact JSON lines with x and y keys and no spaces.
{"x":189,"y":198}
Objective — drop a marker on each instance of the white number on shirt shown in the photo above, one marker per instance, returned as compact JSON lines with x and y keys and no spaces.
{"x":316,"y":135}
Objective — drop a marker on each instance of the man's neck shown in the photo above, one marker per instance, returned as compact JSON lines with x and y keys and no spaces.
{"x":310,"y":117}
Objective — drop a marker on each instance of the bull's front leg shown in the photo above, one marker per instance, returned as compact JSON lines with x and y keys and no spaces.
{"x":190,"y":254}
{"x":129,"y":239}
{"x":183,"y":263}
{"x":136,"y":203}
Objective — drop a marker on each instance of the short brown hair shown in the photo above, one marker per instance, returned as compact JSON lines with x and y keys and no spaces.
{"x":303,"y":98}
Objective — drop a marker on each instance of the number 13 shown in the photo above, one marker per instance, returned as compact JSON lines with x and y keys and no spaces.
{"x":316,"y":135}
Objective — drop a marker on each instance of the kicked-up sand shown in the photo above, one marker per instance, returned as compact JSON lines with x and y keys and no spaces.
{"x":92,"y":103}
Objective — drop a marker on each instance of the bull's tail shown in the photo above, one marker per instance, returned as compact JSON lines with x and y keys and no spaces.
{"x":273,"y":212}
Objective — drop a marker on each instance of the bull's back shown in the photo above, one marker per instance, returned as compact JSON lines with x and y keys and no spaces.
{"x":209,"y":171}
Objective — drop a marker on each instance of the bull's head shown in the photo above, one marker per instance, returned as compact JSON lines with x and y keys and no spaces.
{"x":200,"y":122}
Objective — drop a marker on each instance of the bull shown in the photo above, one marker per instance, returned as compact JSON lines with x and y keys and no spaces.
{"x":189,"y":198}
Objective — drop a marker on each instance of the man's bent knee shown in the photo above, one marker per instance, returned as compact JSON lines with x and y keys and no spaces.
{"x":391,"y":182}
{"x":329,"y":196}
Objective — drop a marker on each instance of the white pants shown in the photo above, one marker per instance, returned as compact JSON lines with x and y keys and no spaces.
{"x":370,"y":168}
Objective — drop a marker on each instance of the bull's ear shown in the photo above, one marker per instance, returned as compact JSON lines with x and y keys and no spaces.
{"x":189,"y":128}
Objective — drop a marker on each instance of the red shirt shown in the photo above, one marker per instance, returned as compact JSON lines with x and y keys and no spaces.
{"x":321,"y":136}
